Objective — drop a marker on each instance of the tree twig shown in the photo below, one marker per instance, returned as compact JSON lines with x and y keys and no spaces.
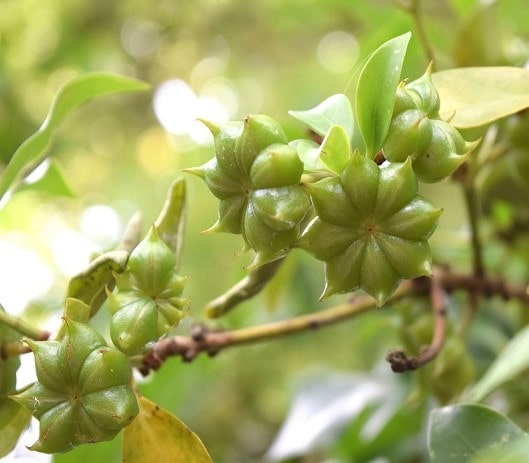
{"x":13,"y":349}
{"x":22,"y":327}
{"x":398,"y":359}
{"x":212,"y":342}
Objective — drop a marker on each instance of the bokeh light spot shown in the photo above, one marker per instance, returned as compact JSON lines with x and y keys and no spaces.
{"x":338,"y":51}
{"x":26,"y":276}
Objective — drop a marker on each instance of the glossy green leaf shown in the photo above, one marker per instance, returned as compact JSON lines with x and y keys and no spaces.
{"x":14,"y":419}
{"x":515,"y":452}
{"x":170,"y":223}
{"x":156,"y":435}
{"x":335,"y":149}
{"x":51,"y":182}
{"x":512,"y":360}
{"x":471,"y":97}
{"x":459,"y":432}
{"x":89,"y":285}
{"x":70,"y":96}
{"x":315,"y":422}
{"x":375,"y":92}
{"x":335,"y":110}
{"x":309,"y":153}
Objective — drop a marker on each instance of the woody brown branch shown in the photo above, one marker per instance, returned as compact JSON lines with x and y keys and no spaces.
{"x":212,"y":342}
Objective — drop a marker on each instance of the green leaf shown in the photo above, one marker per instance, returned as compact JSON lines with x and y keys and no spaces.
{"x":156,"y":435}
{"x":458,"y":432}
{"x":471,"y":97}
{"x":515,"y":452}
{"x":512,"y":360}
{"x":51,"y":182}
{"x":14,"y":419}
{"x":315,"y":422}
{"x":335,"y":149}
{"x":89,"y":285}
{"x":335,"y":110}
{"x":309,"y":153}
{"x":170,"y":223}
{"x":70,"y":96}
{"x":375,"y":92}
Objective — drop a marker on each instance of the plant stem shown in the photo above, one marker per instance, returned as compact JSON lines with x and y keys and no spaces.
{"x":214,"y":341}
{"x":13,"y":349}
{"x":398,"y":359}
{"x":246,"y":288}
{"x":472,"y":205}
{"x":22,"y":327}
{"x":413,"y":8}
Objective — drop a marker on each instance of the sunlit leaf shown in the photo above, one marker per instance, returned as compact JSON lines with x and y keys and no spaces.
{"x":471,"y":97}
{"x":89,"y":285}
{"x":309,"y":153}
{"x":70,"y":96}
{"x":515,"y":452}
{"x":375,"y":92}
{"x":170,"y":223}
{"x":479,"y":41}
{"x":14,"y":419}
{"x":458,"y":432}
{"x":512,"y":360}
{"x":335,"y":149}
{"x":156,"y":435}
{"x":314,"y":421}
{"x":335,"y":110}
{"x":51,"y":182}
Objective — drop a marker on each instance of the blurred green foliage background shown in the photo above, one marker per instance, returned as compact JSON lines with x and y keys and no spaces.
{"x":218,"y":59}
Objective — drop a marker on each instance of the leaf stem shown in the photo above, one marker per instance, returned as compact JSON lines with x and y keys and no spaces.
{"x":22,"y":327}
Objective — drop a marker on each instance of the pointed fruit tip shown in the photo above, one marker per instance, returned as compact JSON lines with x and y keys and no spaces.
{"x":198,"y":171}
{"x":212,"y":126}
{"x":215,"y":228}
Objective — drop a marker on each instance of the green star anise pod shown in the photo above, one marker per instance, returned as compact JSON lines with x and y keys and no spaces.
{"x":147,"y":302}
{"x":83,"y":394}
{"x":256,"y":176}
{"x":371,"y":228}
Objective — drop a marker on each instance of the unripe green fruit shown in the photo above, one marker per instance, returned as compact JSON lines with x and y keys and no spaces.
{"x":403,"y":100}
{"x":453,"y":370}
{"x":148,"y":301}
{"x":262,"y":198}
{"x":508,"y":181}
{"x":371,"y":228}
{"x":259,"y":131}
{"x":424,"y":93}
{"x":276,"y":166}
{"x":83,"y":394}
{"x":445,"y":153}
{"x":409,"y":134}
{"x":518,"y":129}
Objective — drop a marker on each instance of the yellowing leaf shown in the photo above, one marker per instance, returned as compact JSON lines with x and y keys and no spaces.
{"x":476,"y":96}
{"x":158,"y":436}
